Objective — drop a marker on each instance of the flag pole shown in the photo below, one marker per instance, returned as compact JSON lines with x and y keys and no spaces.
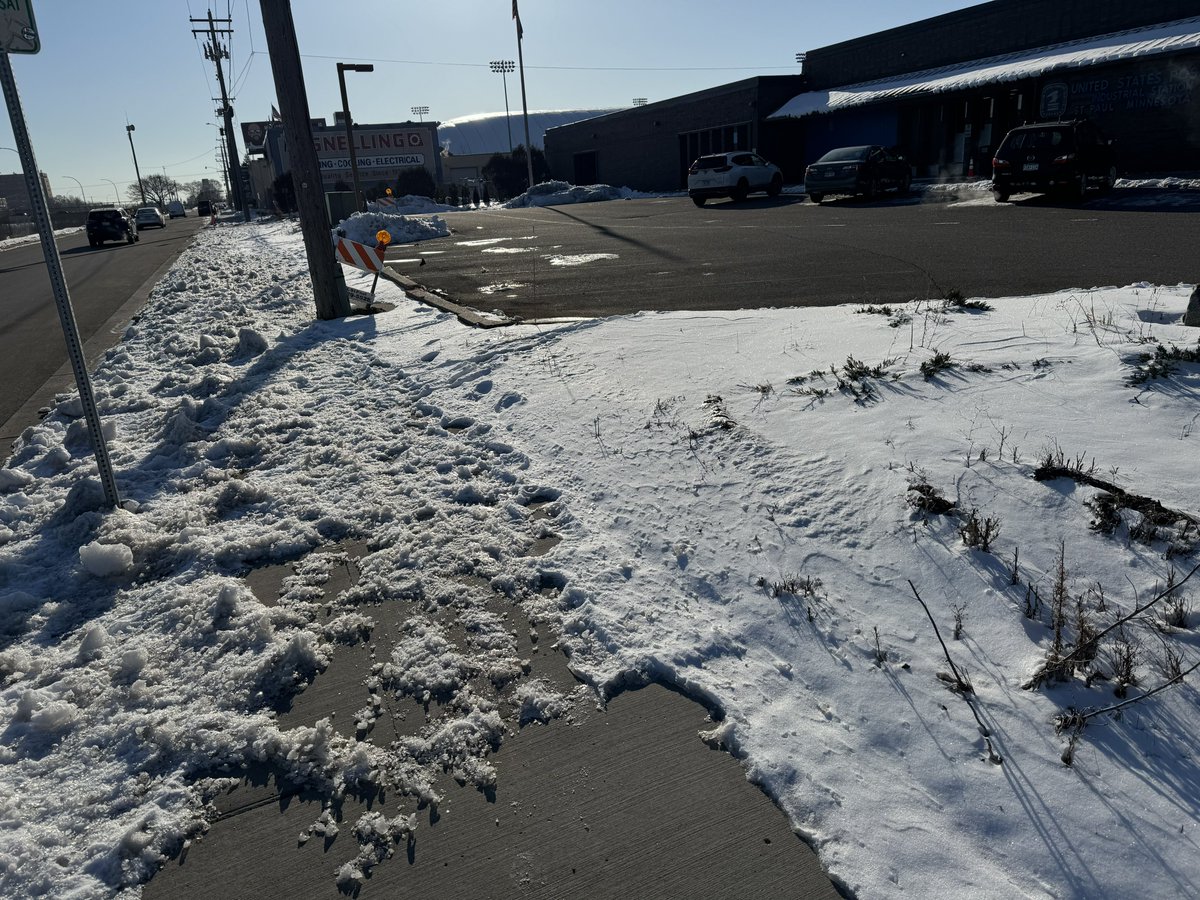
{"x":524,"y":103}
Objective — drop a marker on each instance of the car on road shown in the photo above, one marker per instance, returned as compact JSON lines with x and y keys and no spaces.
{"x":866,"y":170}
{"x":734,"y":174}
{"x":109,"y":224}
{"x":149,"y":217}
{"x":204,"y":208}
{"x":175,"y":210}
{"x":1054,"y":158}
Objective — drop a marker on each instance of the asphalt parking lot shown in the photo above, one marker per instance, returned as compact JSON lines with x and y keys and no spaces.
{"x":619,"y":257}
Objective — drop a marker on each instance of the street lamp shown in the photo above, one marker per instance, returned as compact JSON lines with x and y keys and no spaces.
{"x":116,"y":193}
{"x":504,"y":66}
{"x":420,"y":112}
{"x":129,"y":131}
{"x":81,"y":190}
{"x":341,"y":70}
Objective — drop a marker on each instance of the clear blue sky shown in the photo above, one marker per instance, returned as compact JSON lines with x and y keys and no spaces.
{"x":105,"y":64}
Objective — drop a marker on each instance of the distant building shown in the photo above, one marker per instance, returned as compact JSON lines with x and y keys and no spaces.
{"x":468,"y":142}
{"x":16,"y":195}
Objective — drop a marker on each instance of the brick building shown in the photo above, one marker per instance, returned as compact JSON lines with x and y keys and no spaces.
{"x":944,"y":89}
{"x":16,"y":195}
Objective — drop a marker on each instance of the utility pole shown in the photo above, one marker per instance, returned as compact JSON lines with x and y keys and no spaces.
{"x":129,"y":131}
{"x":215,"y":52}
{"x":329,"y":285}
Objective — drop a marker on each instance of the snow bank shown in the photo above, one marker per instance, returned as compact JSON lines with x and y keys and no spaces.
{"x":560,"y":193}
{"x":363,"y":227}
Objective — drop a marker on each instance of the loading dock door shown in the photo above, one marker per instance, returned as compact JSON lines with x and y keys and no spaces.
{"x":585,"y":168}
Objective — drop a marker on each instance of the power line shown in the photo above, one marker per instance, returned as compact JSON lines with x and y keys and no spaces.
{"x":424,"y":62}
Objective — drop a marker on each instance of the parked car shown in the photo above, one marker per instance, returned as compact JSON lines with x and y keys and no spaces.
{"x":149,"y":217}
{"x":865,"y":170}
{"x":1053,"y":157}
{"x":204,"y":208}
{"x":175,"y":210}
{"x":734,"y":175}
{"x":109,"y":224}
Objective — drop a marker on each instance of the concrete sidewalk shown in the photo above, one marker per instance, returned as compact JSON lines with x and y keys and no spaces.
{"x":621,"y":802}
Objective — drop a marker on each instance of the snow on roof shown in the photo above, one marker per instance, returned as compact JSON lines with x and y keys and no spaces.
{"x":489,"y":132}
{"x":1171,"y":37}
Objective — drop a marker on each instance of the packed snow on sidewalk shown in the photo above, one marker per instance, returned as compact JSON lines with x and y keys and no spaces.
{"x":758,"y":506}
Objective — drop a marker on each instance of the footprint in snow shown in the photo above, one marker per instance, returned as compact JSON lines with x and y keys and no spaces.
{"x":509,"y":399}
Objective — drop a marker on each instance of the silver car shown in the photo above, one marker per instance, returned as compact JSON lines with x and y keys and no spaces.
{"x":149,"y":217}
{"x":734,"y":175}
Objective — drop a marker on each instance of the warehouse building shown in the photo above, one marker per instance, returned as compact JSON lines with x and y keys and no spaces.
{"x":944,"y":90}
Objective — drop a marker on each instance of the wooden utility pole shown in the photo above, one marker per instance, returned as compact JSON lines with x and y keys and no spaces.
{"x":215,"y":52}
{"x":329,"y":285}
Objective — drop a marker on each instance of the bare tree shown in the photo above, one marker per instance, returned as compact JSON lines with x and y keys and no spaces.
{"x":159,"y":189}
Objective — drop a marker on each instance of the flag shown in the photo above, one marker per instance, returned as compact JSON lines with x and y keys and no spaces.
{"x":517,"y":19}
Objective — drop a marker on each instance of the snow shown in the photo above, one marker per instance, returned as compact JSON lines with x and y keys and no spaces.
{"x":9,"y":243}
{"x":1171,"y":37}
{"x":559,"y":193}
{"x":745,"y":505}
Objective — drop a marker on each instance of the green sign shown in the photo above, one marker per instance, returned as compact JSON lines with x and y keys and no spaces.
{"x":18,"y":31}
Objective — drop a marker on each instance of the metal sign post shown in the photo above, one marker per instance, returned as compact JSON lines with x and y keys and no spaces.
{"x":58,"y":282}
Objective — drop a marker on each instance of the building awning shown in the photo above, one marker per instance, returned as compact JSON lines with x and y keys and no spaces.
{"x":1155,"y":40}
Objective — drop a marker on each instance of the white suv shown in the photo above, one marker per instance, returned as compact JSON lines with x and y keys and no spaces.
{"x":148,"y":216}
{"x":732,"y":175}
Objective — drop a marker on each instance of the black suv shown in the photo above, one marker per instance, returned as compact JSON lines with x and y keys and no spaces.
{"x":110,"y":224}
{"x":1053,"y":157}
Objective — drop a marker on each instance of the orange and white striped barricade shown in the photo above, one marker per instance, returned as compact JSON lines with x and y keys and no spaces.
{"x":362,"y":256}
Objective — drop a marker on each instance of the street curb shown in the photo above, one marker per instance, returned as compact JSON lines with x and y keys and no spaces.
{"x":465,"y":314}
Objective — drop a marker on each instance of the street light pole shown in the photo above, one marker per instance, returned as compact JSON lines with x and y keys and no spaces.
{"x":81,"y":190}
{"x":129,"y":131}
{"x":504,"y":66}
{"x":116,"y":193}
{"x":342,"y":68}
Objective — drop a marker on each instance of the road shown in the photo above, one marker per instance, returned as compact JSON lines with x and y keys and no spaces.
{"x":620,"y":257}
{"x":101,"y":281}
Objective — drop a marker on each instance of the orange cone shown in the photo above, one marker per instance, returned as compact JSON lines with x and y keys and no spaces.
{"x":971,"y":169}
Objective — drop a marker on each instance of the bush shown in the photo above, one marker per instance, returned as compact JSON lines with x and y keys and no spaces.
{"x":509,"y":173}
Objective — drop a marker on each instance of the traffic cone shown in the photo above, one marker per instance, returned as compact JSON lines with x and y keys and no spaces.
{"x":971,"y":168}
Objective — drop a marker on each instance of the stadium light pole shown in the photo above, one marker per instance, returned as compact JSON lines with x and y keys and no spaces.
{"x":129,"y":129}
{"x":504,"y":66}
{"x":342,"y":68}
{"x":639,"y":101}
{"x":420,"y":112}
